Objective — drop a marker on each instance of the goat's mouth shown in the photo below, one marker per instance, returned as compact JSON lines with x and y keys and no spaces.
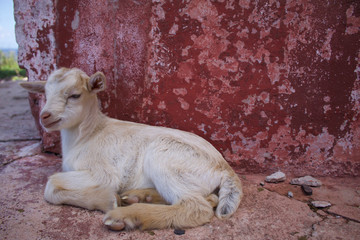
{"x":50,"y":124}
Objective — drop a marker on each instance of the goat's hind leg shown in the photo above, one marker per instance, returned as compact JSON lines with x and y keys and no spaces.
{"x":190,"y":212}
{"x":77,"y":188}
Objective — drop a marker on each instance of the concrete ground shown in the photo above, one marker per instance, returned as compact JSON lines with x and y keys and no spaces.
{"x":265,"y":212}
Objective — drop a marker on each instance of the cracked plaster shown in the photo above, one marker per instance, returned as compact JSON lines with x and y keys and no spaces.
{"x":273,"y":85}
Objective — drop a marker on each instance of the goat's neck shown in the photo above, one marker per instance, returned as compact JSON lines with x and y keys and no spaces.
{"x":92,"y":122}
{"x":68,"y":140}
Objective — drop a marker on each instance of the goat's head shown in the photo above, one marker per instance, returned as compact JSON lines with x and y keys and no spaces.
{"x":70,"y":95}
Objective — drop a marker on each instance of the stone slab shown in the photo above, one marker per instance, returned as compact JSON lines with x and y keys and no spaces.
{"x":25,"y":214}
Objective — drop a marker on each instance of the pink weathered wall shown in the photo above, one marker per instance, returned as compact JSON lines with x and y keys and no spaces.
{"x":272,"y":84}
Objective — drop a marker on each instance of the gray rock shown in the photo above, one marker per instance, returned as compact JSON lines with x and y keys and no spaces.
{"x":290,"y":194}
{"x":307,"y":180}
{"x":276,"y":177}
{"x":262,"y":184}
{"x":307,"y":190}
{"x":320,"y":204}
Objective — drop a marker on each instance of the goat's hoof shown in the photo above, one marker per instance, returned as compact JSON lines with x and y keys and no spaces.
{"x":121,"y":218}
{"x":129,"y":199}
{"x":141,"y":196}
{"x":114,"y":225}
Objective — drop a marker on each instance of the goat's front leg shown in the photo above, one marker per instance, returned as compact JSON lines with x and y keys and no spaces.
{"x":78,"y":188}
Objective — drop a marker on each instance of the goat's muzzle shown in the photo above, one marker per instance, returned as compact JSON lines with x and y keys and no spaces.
{"x":47,"y":120}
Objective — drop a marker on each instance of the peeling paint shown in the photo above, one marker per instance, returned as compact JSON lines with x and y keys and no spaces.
{"x":75,"y":22}
{"x":35,"y":35}
{"x":352,"y":21}
{"x":259,"y":75}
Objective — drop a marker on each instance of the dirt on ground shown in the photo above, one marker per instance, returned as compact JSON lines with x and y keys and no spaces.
{"x":266,"y":212}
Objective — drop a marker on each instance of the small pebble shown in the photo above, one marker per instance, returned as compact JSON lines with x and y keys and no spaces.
{"x":306,"y":189}
{"x":262,"y":184}
{"x":320,"y":204}
{"x":179,"y":231}
{"x":290,"y":194}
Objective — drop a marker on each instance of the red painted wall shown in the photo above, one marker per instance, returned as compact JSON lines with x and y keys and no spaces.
{"x":272,"y":84}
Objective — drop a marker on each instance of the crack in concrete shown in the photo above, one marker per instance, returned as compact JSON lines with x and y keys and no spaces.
{"x":11,"y":161}
{"x":15,"y":159}
{"x":19,"y":155}
{"x":313,"y":226}
{"x":339,"y":215}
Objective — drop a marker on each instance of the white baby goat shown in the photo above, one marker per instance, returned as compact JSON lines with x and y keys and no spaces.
{"x":103,"y":157}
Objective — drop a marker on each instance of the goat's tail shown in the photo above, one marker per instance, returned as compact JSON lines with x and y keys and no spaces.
{"x":230,"y":195}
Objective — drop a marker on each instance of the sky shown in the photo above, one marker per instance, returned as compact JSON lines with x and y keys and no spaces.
{"x":7,"y":25}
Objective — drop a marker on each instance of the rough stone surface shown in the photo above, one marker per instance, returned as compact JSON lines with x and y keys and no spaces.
{"x":276,"y":177}
{"x":23,"y":207}
{"x":307,"y":180}
{"x":272,"y":84}
{"x":349,"y":212}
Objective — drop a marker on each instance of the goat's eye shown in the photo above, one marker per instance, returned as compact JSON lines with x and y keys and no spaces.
{"x":75,"y":96}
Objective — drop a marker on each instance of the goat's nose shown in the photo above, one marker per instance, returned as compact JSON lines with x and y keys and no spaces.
{"x":45,"y":115}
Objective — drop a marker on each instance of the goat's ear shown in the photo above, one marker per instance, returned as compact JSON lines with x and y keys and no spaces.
{"x":97,"y":82}
{"x":34,"y":87}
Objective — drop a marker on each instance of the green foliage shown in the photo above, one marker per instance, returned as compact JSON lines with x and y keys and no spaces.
{"x":9,"y":67}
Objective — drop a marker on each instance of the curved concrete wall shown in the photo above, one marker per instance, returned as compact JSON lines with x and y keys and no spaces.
{"x":272,"y":84}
